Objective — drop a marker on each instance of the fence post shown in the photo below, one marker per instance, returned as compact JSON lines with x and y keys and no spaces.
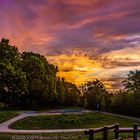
{"x":116,"y":131}
{"x":105,"y":133}
{"x":91,"y":134}
{"x":135,"y":132}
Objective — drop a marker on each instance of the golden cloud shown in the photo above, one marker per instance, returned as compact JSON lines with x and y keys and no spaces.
{"x":110,"y":68}
{"x":123,"y":55}
{"x":77,"y":68}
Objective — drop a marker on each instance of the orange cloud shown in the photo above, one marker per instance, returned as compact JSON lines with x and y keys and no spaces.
{"x":123,"y":55}
{"x":77,"y":68}
{"x":99,"y":27}
{"x":110,"y":68}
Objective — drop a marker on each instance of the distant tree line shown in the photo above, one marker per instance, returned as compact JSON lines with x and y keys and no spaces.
{"x":125,"y":101}
{"x":28,"y":80}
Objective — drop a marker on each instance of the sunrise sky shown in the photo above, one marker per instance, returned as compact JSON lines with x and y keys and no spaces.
{"x":87,"y":39}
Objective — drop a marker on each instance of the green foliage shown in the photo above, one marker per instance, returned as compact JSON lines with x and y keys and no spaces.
{"x":132,"y":82}
{"x":127,"y":101}
{"x":9,"y":53}
{"x":12,"y":80}
{"x":69,"y":121}
{"x":6,"y":115}
{"x":96,"y":95}
{"x":71,"y":94}
{"x":28,"y":80}
{"x":62,"y":136}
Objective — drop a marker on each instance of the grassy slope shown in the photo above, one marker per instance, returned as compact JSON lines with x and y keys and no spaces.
{"x":86,"y":120}
{"x":6,"y":115}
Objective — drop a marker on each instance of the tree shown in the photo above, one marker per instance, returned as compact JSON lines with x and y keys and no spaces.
{"x":132,"y":82}
{"x":132,"y":87}
{"x":95,"y":94}
{"x":127,"y":101}
{"x":60,"y":87}
{"x":27,"y":79}
{"x":9,"y":53}
{"x":35,"y":72}
{"x":71,"y":94}
{"x":13,"y":84}
{"x":42,"y":80}
{"x":119,"y":100}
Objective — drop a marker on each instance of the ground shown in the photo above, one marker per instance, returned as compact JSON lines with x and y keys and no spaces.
{"x":84,"y":119}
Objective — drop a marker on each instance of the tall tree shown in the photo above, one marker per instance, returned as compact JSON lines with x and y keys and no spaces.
{"x":35,"y":71}
{"x":95,"y":94}
{"x":60,"y":91}
{"x":71,"y":94}
{"x":42,"y":80}
{"x":9,"y":53}
{"x":132,"y":82}
{"x":132,"y":86}
{"x":13,"y":84}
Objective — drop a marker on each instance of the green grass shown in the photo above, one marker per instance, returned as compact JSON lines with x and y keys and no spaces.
{"x":47,"y":136}
{"x":64,"y":121}
{"x":56,"y":136}
{"x":6,"y":115}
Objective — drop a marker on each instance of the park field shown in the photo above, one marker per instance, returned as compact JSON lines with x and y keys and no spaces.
{"x":57,"y":136}
{"x":64,"y":121}
{"x":72,"y":121}
{"x":6,"y":115}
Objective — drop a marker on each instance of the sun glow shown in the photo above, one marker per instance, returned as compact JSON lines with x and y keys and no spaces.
{"x":77,"y":68}
{"x":80,"y":68}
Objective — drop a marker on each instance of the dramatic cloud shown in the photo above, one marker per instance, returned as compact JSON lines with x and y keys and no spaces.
{"x":111,"y":68}
{"x":87,"y":39}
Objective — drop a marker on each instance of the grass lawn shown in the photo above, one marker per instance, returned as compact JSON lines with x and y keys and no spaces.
{"x":6,"y":115}
{"x":48,"y":136}
{"x":85,"y":120}
{"x":55,"y":136}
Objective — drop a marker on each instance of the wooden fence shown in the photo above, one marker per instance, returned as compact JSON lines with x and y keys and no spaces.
{"x":135,"y":129}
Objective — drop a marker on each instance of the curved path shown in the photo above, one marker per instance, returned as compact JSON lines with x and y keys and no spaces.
{"x":5,"y":129}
